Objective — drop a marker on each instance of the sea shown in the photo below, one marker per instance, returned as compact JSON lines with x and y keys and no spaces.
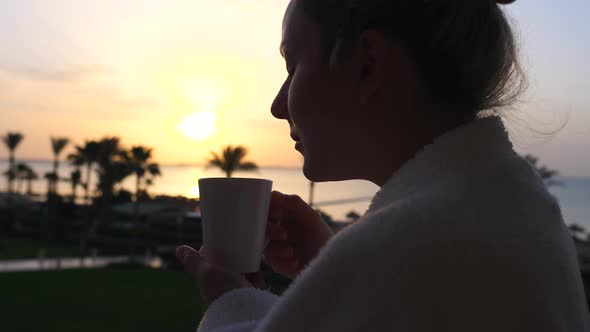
{"x":336,"y":199}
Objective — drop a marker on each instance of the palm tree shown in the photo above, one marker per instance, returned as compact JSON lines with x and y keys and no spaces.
{"x":139,"y":160}
{"x":12,"y":140}
{"x":75,"y":181}
{"x":153,"y":171}
{"x":77,"y":161}
{"x":112,"y":168}
{"x":30,"y":177}
{"x":231,"y":160}
{"x":88,"y":153}
{"x":112,"y":164}
{"x":57,"y":146}
{"x":22,"y":172}
{"x":51,"y":178}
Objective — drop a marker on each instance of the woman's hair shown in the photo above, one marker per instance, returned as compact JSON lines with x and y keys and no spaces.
{"x":465,"y":50}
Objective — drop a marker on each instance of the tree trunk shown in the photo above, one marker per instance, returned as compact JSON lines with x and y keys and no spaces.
{"x":12,"y":172}
{"x":135,"y":217}
{"x":19,"y":185}
{"x":311,"y":192}
{"x":74,"y":187}
{"x":29,"y":187}
{"x":137,"y":189}
{"x":56,"y":179}
{"x":86,"y":222}
{"x":88,"y":172}
{"x":107,"y":184}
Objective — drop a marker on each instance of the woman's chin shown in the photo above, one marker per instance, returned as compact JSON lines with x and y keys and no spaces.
{"x":318,"y":174}
{"x":310,"y":173}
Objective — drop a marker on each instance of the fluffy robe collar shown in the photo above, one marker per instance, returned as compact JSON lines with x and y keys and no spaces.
{"x":462,"y":150}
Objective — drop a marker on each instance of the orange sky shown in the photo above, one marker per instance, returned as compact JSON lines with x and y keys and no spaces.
{"x":150,"y":70}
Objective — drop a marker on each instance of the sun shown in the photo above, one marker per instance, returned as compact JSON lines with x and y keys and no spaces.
{"x":198,"y":126}
{"x":201,"y":99}
{"x":193,"y":192}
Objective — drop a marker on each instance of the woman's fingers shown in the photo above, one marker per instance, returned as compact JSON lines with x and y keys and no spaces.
{"x":275,"y":233}
{"x":213,"y":280}
{"x":183,"y":253}
{"x":292,"y":203}
{"x":192,"y":261}
{"x":281,"y":257}
{"x":276,"y":209}
{"x":279,"y":249}
{"x":289,"y":267}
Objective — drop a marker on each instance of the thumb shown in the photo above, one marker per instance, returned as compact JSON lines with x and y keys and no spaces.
{"x":190,"y":258}
{"x":183,"y":252}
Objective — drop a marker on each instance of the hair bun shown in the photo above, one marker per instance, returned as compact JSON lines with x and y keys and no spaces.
{"x":505,"y":2}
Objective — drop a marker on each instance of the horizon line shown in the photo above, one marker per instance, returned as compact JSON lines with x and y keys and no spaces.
{"x":177,"y":164}
{"x":188,"y":164}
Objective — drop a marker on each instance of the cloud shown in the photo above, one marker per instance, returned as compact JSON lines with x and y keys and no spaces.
{"x":72,"y":74}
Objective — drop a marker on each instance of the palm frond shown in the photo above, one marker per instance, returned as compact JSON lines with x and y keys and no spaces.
{"x":248,"y":166}
{"x":12,"y":140}
{"x":58,"y":144}
{"x":231,"y":160}
{"x":154,"y":170}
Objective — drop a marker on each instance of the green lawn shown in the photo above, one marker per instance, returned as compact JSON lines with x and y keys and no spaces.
{"x":20,"y":248}
{"x":99,"y":300}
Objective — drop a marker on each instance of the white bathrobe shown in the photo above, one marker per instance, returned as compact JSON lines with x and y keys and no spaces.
{"x":464,"y":237}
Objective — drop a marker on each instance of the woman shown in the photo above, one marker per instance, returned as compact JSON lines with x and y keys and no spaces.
{"x":462,"y":236}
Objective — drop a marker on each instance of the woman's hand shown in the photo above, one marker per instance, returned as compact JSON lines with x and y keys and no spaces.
{"x":295,"y":233}
{"x":214,"y":281}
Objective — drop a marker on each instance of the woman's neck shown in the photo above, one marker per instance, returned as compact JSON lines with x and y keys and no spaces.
{"x":407,"y":143}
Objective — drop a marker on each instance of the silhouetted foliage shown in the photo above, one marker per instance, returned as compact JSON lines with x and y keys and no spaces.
{"x":75,"y":182}
{"x":86,"y":154}
{"x":578,"y":232}
{"x":57,"y":146}
{"x":11,"y":141}
{"x":51,"y":178}
{"x":30,"y":177}
{"x":123,"y":196}
{"x":140,"y":161}
{"x":232,"y":159}
{"x":25,"y":174}
{"x":112,"y":168}
{"x":326,"y":217}
{"x":352,"y":216}
{"x":545,"y":172}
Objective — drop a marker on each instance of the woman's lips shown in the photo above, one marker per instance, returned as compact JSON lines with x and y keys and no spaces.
{"x":298,"y":145}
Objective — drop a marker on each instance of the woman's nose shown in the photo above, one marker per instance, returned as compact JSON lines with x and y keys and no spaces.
{"x":279,"y":106}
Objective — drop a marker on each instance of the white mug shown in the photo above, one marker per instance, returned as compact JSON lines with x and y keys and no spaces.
{"x":234,"y":213}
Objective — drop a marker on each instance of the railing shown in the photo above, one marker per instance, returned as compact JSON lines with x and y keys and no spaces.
{"x":342,"y":201}
{"x":71,"y":263}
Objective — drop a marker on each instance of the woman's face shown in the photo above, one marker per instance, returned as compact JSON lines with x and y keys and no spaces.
{"x":321,"y":105}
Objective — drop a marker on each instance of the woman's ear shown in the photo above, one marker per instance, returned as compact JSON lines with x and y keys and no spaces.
{"x":375,"y":55}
